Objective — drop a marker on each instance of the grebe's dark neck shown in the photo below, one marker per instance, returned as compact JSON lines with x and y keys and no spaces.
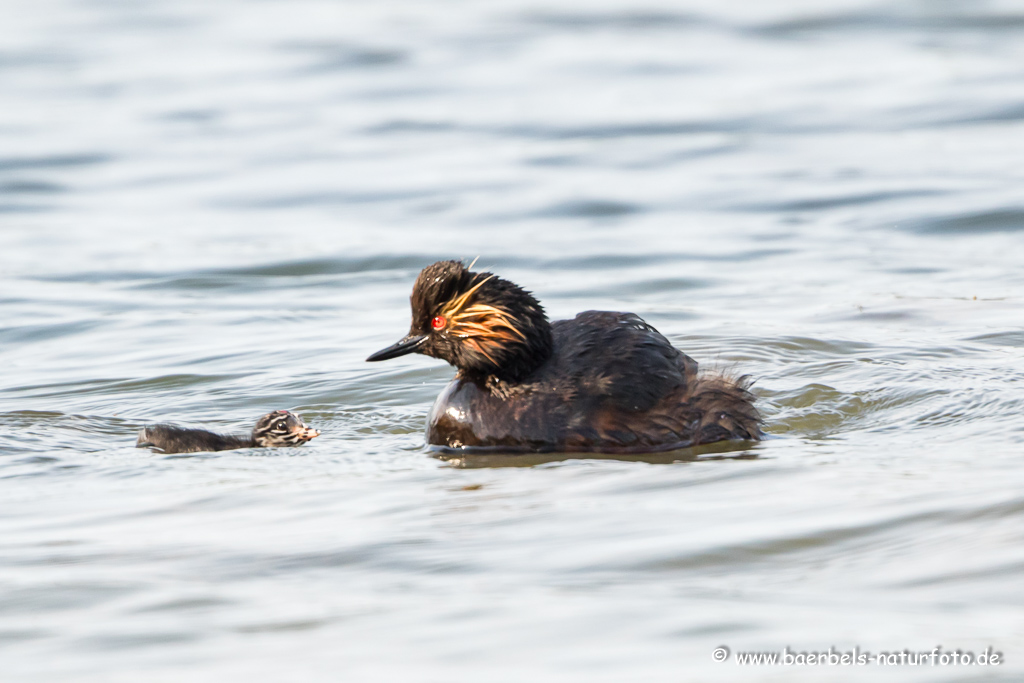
{"x":513,"y":360}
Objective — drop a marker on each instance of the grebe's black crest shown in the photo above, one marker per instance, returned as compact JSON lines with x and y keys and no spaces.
{"x":478,"y":322}
{"x":280,"y":428}
{"x":603,"y":381}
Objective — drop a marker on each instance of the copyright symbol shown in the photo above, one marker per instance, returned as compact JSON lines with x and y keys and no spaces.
{"x":720,"y":653}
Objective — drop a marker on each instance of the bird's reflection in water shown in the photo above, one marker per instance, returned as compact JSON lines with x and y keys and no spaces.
{"x":479,"y":458}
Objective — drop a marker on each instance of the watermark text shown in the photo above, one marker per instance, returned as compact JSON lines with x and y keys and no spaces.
{"x":937,"y":656}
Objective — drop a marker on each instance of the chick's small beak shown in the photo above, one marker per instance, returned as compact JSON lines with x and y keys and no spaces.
{"x":407,"y":344}
{"x":309,"y":433}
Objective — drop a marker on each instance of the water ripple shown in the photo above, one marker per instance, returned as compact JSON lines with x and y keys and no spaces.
{"x":995,"y":220}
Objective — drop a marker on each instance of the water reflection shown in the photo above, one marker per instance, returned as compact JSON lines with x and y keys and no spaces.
{"x":723,"y":450}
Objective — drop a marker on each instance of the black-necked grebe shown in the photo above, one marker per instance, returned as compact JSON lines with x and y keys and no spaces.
{"x":277,"y":429}
{"x":601,"y":382}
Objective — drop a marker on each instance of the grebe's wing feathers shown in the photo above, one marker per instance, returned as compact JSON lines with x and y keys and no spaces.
{"x":634,"y":390}
{"x":621,"y":359}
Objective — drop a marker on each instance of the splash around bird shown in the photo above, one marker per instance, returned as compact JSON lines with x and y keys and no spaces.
{"x":602,"y":382}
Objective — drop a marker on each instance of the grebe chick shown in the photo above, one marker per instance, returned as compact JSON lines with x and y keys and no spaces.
{"x":601,"y":382}
{"x":277,"y":429}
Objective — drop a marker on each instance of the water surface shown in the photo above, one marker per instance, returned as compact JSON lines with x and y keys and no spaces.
{"x":210,"y":211}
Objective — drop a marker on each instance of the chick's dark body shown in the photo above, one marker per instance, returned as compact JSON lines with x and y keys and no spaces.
{"x":613,"y":383}
{"x":175,"y":439}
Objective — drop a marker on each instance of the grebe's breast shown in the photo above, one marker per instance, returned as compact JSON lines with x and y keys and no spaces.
{"x":468,"y":415}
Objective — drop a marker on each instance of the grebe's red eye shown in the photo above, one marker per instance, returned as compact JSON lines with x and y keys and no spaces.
{"x":438,"y":322}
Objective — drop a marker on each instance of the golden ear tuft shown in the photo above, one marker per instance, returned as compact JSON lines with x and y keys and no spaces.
{"x":482,"y":327}
{"x":490,"y":321}
{"x":452,"y":309}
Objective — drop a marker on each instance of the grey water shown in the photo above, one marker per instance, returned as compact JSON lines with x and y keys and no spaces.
{"x":213,"y":210}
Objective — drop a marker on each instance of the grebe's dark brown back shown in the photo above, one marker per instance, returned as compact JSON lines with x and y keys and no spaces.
{"x":601,"y":382}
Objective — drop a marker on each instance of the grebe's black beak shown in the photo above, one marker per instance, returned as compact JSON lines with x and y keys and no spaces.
{"x":408,"y":344}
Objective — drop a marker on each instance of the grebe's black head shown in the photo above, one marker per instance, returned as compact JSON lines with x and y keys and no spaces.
{"x":478,"y":322}
{"x":281,"y":428}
